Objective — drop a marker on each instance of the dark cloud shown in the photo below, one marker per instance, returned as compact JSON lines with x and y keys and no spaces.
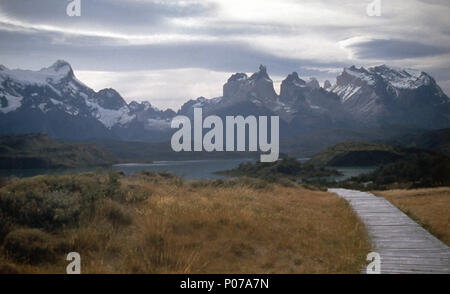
{"x":396,"y":49}
{"x":90,"y":53}
{"x":206,"y":36}
{"x":436,"y":2}
{"x":119,"y":16}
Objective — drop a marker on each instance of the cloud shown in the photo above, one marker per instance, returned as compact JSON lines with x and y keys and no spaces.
{"x":91,"y":53}
{"x":158,"y":87}
{"x":395,"y":49}
{"x":129,"y":17}
{"x":164,"y":88}
{"x":196,"y":37}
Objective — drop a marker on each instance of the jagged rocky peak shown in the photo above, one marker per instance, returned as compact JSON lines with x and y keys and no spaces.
{"x":146,"y":104}
{"x":134,"y":105}
{"x":169,"y":112}
{"x":108,"y":92}
{"x":398,"y":78}
{"x":58,"y":64}
{"x":355,"y":72}
{"x":313,"y":83}
{"x":294,"y":79}
{"x":403,"y":77}
{"x":201,"y":99}
{"x":141,"y":106}
{"x":237,"y":77}
{"x":261,"y":74}
{"x":61,"y":67}
{"x":110,"y":99}
{"x":291,"y":85}
{"x":327,"y":84}
{"x":233,"y":84}
{"x":354,"y":75}
{"x":239,"y":87}
{"x":54,"y":74}
{"x":2,"y":67}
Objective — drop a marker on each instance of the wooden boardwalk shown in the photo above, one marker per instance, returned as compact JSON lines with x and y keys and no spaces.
{"x":404,"y":246}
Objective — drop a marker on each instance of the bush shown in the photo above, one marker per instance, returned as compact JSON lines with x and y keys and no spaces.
{"x":117,"y":214}
{"x":415,"y":171}
{"x":287,"y":183}
{"x":48,"y":211}
{"x":29,"y":246}
{"x":8,"y":269}
{"x":254,"y":183}
{"x":147,"y":173}
{"x":2,"y":180}
{"x":113,"y":187}
{"x":166,"y":174}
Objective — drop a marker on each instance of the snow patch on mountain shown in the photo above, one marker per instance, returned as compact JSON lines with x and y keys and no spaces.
{"x":12,"y":102}
{"x":43,"y":107}
{"x":110,"y":117}
{"x":53,"y":74}
{"x":399,"y":78}
{"x":361,"y":74}
{"x":402,"y":78}
{"x":158,"y":124}
{"x":346,"y":92}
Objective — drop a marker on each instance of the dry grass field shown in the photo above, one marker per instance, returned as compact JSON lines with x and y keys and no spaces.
{"x":158,"y":223}
{"x":428,"y":207}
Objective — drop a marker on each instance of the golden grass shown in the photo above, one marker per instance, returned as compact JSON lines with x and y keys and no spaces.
{"x":429,"y":207}
{"x":184,"y":227}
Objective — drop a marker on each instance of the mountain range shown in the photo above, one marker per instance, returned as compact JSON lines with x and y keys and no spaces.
{"x":53,"y":101}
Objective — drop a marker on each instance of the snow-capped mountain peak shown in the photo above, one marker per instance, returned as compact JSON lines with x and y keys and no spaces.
{"x":384,"y":93}
{"x":361,"y":74}
{"x":52,"y":74}
{"x":51,"y":100}
{"x":400,"y":78}
{"x":60,"y":66}
{"x":55,"y":89}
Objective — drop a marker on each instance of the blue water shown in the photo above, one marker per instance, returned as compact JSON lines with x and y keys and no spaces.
{"x":189,"y":169}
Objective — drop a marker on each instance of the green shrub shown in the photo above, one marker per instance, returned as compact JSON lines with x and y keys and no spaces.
{"x":287,"y":182}
{"x":48,"y":211}
{"x":166,"y":174}
{"x":147,"y":173}
{"x":113,"y":186}
{"x":415,"y":171}
{"x":254,"y":183}
{"x":2,"y":180}
{"x":116,"y":214}
{"x":199,"y":184}
{"x":8,"y":269}
{"x":29,"y":246}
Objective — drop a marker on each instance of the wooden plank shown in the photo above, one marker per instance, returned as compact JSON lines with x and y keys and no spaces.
{"x":413,"y":261}
{"x":404,"y":246}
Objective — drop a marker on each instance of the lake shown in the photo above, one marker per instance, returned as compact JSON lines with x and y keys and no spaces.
{"x":189,"y":169}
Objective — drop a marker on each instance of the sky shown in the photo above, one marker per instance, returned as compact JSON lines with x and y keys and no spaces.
{"x":167,"y":52}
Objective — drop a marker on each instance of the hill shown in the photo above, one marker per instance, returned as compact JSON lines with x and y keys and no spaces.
{"x":286,"y":168}
{"x":159,"y":223}
{"x":360,"y":154}
{"x":437,"y":140}
{"x":53,"y":101}
{"x":134,"y":151}
{"x":414,"y":171}
{"x":41,"y":151}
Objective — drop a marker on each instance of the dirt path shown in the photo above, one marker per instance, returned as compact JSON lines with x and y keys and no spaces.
{"x":404,"y":246}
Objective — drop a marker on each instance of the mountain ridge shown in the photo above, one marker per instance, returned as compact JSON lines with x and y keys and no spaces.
{"x":55,"y":102}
